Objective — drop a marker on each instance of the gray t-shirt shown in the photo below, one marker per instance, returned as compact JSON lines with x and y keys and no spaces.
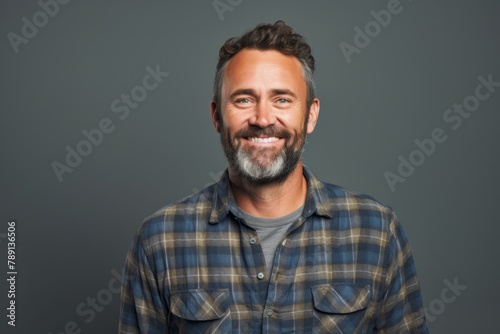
{"x":271,"y":232}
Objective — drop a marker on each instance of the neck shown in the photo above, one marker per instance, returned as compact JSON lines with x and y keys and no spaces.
{"x":270,"y":200}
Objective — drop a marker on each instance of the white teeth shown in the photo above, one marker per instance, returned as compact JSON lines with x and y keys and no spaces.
{"x":263,"y":140}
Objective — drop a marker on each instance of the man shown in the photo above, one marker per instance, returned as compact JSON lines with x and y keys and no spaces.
{"x":269,"y":248}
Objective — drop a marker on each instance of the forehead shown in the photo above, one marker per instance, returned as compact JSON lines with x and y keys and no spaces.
{"x":250,"y":68}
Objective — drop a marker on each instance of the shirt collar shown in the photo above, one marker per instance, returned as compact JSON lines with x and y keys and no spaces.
{"x":318,"y":201}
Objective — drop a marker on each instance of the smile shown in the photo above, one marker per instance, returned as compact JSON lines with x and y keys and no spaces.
{"x":263,"y":139}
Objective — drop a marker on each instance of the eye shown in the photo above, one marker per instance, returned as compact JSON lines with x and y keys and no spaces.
{"x":243,"y":100}
{"x":282,"y":100}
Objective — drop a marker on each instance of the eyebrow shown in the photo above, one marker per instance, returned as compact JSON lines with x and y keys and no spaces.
{"x":251,"y":92}
{"x":244,"y":91}
{"x":283,"y":91}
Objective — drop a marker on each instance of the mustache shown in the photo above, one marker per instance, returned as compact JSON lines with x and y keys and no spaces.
{"x":255,"y":131}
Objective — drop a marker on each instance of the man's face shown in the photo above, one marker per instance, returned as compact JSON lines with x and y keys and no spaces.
{"x":263,"y":119}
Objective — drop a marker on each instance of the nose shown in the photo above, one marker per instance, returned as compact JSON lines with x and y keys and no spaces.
{"x":263,"y":116}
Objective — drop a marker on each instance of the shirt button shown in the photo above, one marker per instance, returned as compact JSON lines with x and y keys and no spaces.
{"x":269,"y":312}
{"x":253,"y":241}
{"x":260,"y":275}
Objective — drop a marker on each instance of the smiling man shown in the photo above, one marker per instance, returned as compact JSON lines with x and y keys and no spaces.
{"x":270,"y":248}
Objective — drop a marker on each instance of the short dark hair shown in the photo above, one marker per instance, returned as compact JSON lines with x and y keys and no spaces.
{"x":277,"y":36}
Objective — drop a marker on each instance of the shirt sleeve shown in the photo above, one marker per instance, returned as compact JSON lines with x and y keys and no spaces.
{"x":402,"y":309}
{"x":142,"y":308}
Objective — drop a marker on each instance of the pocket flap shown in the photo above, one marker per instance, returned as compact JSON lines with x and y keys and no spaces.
{"x":340,"y":298}
{"x":199,"y":304}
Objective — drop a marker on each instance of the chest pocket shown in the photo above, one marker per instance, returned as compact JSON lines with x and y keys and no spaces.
{"x":339,"y":308}
{"x":201,"y":311}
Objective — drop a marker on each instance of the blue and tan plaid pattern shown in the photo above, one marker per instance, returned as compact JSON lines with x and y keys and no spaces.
{"x":344,"y":267}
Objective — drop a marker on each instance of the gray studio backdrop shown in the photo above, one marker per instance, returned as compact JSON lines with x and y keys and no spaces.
{"x":105,"y":118}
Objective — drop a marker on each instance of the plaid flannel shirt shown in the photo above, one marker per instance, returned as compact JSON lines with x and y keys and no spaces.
{"x":345,"y":266}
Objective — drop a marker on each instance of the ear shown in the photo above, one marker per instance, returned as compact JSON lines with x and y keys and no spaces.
{"x":313,"y":116}
{"x":215,"y":116}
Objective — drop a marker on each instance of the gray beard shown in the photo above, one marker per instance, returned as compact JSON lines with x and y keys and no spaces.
{"x":254,"y":171}
{"x":243,"y":164}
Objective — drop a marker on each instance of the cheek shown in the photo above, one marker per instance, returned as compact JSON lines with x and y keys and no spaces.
{"x":296,"y":124}
{"x":235,"y":119}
